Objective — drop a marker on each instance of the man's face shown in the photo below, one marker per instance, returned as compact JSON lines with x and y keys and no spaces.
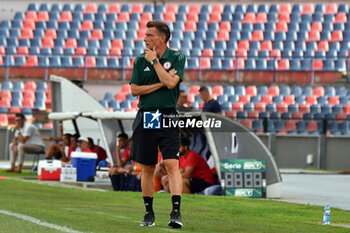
{"x":182,"y":98}
{"x":153,"y":38}
{"x":73,"y":142}
{"x":84,"y":145}
{"x":122,"y":142}
{"x":19,"y":122}
{"x":66,"y":140}
{"x":183,"y":150}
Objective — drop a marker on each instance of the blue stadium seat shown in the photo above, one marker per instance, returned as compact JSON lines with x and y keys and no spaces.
{"x":239,"y":9}
{"x":326,"y":108}
{"x":262,"y":8}
{"x":101,"y":62}
{"x":340,"y":65}
{"x":34,"y":50}
{"x":277,"y":99}
{"x":113,"y":62}
{"x":66,"y":61}
{"x":250,"y":64}
{"x":261,"y":64}
{"x":341,"y":91}
{"x":272,"y":17}
{"x":284,"y":90}
{"x":193,"y":63}
{"x":216,"y":64}
{"x":272,"y":64}
{"x":338,"y":108}
{"x":227,"y":63}
{"x":297,"y":8}
{"x":78,"y":62}
{"x":300,"y":99}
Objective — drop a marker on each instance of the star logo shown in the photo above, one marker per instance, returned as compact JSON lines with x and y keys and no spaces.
{"x":151,"y":120}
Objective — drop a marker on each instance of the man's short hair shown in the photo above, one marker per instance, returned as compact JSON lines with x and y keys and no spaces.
{"x":185,"y":142}
{"x":67,"y":134}
{"x":91,"y":141}
{"x":203,"y":89}
{"x":182,"y":91}
{"x":21,"y":116}
{"x":123,"y":135}
{"x":161,"y":26}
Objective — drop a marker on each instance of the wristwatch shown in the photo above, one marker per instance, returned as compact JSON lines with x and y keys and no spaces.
{"x":154,"y":61}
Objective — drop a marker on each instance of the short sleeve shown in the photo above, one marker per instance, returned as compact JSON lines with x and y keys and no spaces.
{"x":191,"y":160}
{"x":29,"y":131}
{"x":179,"y":65}
{"x":136,"y":74}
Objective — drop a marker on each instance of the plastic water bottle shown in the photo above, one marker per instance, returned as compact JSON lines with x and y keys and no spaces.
{"x":327,"y":215}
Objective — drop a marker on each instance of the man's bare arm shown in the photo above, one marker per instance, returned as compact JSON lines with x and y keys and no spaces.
{"x":144,"y":89}
{"x":170,"y":81}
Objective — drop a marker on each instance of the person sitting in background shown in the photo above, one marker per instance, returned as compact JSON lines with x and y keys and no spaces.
{"x":196,"y":174}
{"x":84,"y":144}
{"x":101,"y":153}
{"x":59,"y":151}
{"x":27,"y":139}
{"x":183,"y":105}
{"x":210,"y":105}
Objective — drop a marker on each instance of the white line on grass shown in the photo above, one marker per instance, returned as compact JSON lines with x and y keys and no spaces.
{"x":38,"y":221}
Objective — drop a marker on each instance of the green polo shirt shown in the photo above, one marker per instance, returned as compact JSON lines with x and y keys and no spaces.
{"x":144,"y":74}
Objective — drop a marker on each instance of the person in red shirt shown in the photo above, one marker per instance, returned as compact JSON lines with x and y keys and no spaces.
{"x":196,"y":174}
{"x":101,"y":153}
{"x":84,"y":145}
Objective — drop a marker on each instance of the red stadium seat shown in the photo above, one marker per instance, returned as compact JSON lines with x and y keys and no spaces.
{"x":283,"y":17}
{"x":225,"y":26}
{"x":66,"y":16}
{"x":48,"y":42}
{"x":316,"y":26}
{"x":333,"y":100}
{"x":297,"y":115}
{"x":275,"y":53}
{"x":318,"y":64}
{"x":231,"y":114}
{"x":341,"y":116}
{"x":194,"y":89}
{"x":71,"y":43}
{"x":124,"y":17}
{"x":251,"y":90}
{"x":217,"y":90}
{"x":120,"y":96}
{"x":308,"y":8}
{"x":323,"y":45}
{"x":282,"y":107}
{"x":117,"y":43}
{"x":5,"y":102}
{"x":2,"y":52}
{"x":243,"y":44}
{"x":29,"y":86}
{"x":214,"y":17}
{"x":43,"y":16}
{"x":281,"y":26}
{"x":205,"y":63}
{"x":114,"y":8}
{"x":241,"y":53}
{"x":240,"y":63}
{"x":346,"y":109}
{"x":4,"y":120}
{"x":318,"y":91}
{"x":97,"y":34}
{"x":283,"y":64}
{"x":146,"y":16}
{"x":195,"y":8}
{"x":125,"y":89}
{"x":32,"y":61}
{"x":312,"y":126}
{"x":314,"y":36}
{"x":257,"y":35}
{"x":190,"y":26}
{"x":90,"y":61}
{"x":172,"y":8}
{"x":23,"y":50}
{"x":26,"y":33}
{"x":337,"y":36}
{"x":223,"y":35}
{"x":290,"y":125}
{"x":261,"y":18}
{"x":141,"y":34}
{"x":274,"y":90}
{"x":249,"y":18}
{"x":207,"y":53}
{"x":31,"y":15}
{"x":304,"y":108}
{"x":169,"y":17}
{"x":80,"y":51}
{"x":289,"y":99}
{"x":260,"y":107}
{"x":29,"y":23}
{"x":1,"y":62}
{"x":115,"y":51}
{"x":51,"y":33}
{"x":267,"y":99}
{"x":341,"y":18}
{"x":244,"y":99}
{"x":218,"y":8}
{"x":285,"y":8}
{"x":331,"y":8}
{"x":247,"y":123}
{"x":27,"y":103}
{"x":88,"y":25}
{"x":266,"y":45}
{"x":91,"y":8}
{"x":237,"y":107}
{"x":253,"y":114}
{"x":192,"y":17}
{"x":311,"y":99}
{"x":6,"y":95}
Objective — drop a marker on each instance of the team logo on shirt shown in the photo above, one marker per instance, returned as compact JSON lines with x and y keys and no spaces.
{"x":167,"y":65}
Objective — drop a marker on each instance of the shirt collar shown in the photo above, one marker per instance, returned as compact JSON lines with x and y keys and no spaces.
{"x":166,"y":54}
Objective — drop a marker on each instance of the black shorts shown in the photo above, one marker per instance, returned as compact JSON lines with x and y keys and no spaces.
{"x":198,"y":185}
{"x":145,"y":142}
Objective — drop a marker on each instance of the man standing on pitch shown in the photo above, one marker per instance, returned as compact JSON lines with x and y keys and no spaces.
{"x":156,"y":78}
